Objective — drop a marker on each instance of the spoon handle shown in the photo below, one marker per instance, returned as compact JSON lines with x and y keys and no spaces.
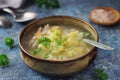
{"x":9,"y":11}
{"x":97,"y":44}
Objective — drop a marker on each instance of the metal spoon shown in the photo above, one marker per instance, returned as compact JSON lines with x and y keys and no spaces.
{"x":4,"y":22}
{"x":97,"y":44}
{"x":27,"y":16}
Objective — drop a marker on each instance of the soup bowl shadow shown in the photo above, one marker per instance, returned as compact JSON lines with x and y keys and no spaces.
{"x":51,"y":67}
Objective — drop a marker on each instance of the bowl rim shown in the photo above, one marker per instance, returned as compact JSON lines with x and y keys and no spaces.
{"x":56,"y":61}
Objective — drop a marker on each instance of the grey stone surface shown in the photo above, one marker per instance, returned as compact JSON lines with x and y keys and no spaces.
{"x":107,"y":60}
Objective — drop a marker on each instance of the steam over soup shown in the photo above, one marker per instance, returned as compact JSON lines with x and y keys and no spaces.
{"x":59,"y":43}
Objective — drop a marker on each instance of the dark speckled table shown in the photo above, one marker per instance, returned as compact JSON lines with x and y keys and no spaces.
{"x":107,"y":60}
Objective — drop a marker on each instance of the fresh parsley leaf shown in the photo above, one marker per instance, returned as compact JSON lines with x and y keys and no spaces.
{"x":4,"y":60}
{"x":52,"y":4}
{"x":58,"y":42}
{"x":37,"y":51}
{"x":46,"y":56}
{"x":58,"y":39}
{"x":9,"y":42}
{"x":47,"y":3}
{"x":58,"y":35}
{"x":70,"y":47}
{"x":44,"y":41}
{"x":85,"y":34}
{"x":63,"y":40}
{"x":100,"y":74}
{"x":60,"y":58}
{"x":39,"y":3}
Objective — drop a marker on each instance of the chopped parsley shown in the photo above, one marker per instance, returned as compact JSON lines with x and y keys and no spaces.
{"x":58,"y":39}
{"x":65,"y":39}
{"x":58,"y":35}
{"x":44,"y":41}
{"x":70,"y":47}
{"x":85,"y":34}
{"x":58,"y":42}
{"x":37,"y":51}
{"x":46,"y":56}
{"x":60,"y":58}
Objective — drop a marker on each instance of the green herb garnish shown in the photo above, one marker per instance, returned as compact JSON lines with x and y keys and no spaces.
{"x":70,"y":47}
{"x":37,"y":51}
{"x":58,"y":42}
{"x":85,"y":34}
{"x":47,"y":3}
{"x":60,"y":58}
{"x":44,"y":41}
{"x":58,"y":35}
{"x":100,"y":74}
{"x":58,"y":39}
{"x":4,"y":60}
{"x":46,"y":56}
{"x":65,"y":39}
{"x":9,"y":42}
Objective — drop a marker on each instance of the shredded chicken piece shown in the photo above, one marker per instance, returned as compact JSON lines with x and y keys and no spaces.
{"x":34,"y":44}
{"x":45,"y":29}
{"x":33,"y":41}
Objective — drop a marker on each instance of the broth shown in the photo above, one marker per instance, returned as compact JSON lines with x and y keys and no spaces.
{"x":53,"y":42}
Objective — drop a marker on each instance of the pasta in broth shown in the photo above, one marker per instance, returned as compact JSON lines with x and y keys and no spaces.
{"x":59,"y":43}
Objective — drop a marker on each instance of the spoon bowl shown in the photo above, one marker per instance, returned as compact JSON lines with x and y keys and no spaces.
{"x":27,"y":16}
{"x":4,"y":22}
{"x":21,"y":17}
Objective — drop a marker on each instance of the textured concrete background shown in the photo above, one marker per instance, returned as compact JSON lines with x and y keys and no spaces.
{"x":107,"y":60}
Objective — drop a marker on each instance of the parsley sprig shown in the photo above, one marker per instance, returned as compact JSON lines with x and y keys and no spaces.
{"x":47,"y":3}
{"x":100,"y":74}
{"x":4,"y":60}
{"x":9,"y":42}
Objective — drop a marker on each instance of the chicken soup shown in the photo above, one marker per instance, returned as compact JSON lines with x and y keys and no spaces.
{"x":53,"y":42}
